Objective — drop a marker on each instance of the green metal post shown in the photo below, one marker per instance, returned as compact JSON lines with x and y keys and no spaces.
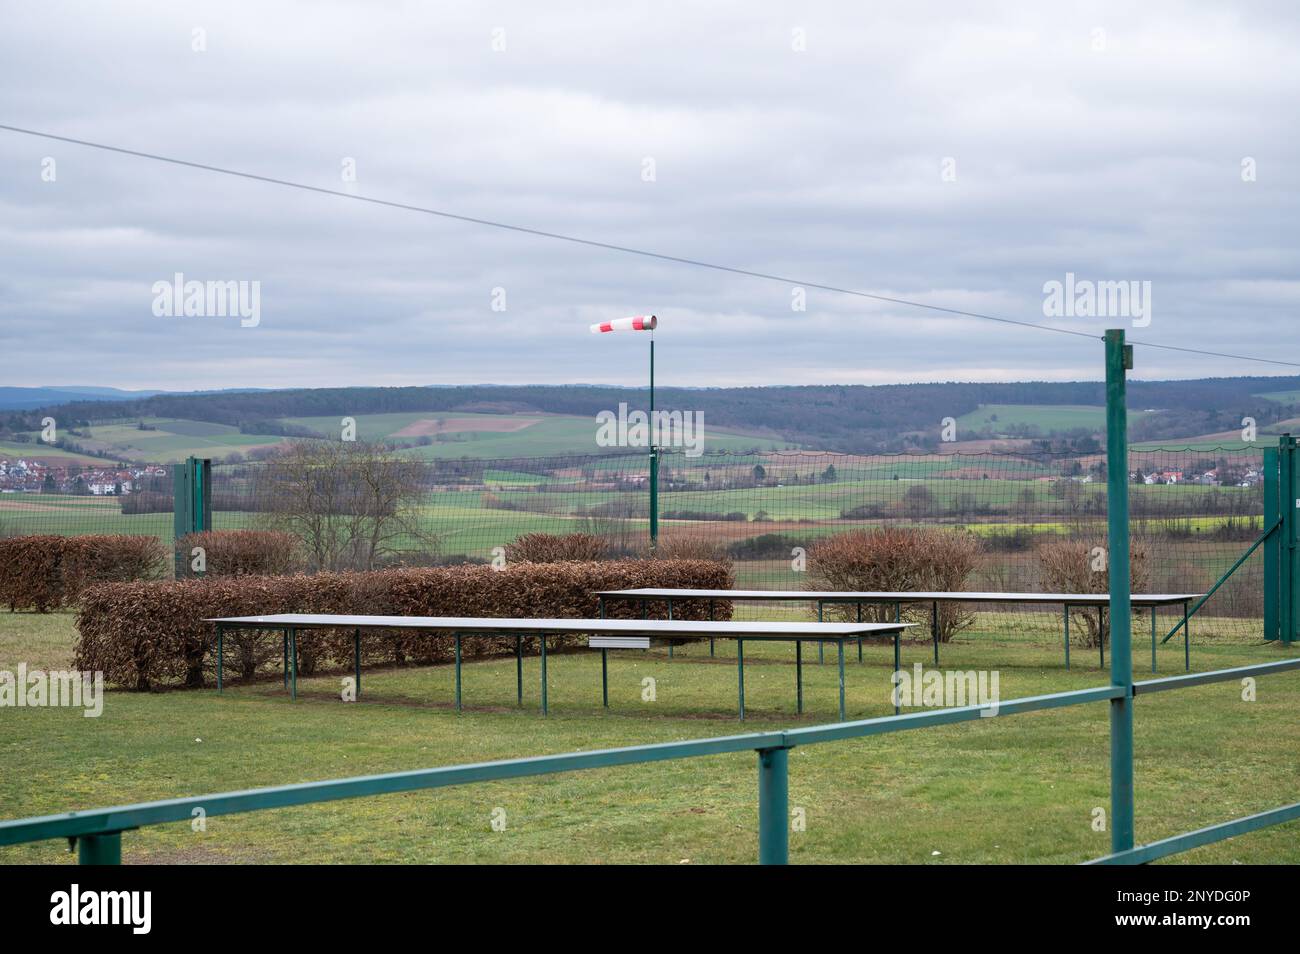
{"x":457,"y":639}
{"x":840,"y":642}
{"x":712,"y":609}
{"x":604,"y":677}
{"x":221,"y":663}
{"x":1067,"y":636}
{"x":654,"y":456}
{"x":671,"y":644}
{"x":1119,"y":359}
{"x":1101,"y":635}
{"x":284,"y":636}
{"x":798,"y":675}
{"x":934,"y":629}
{"x":820,"y":646}
{"x":293,"y":664}
{"x":773,"y":806}
{"x":1290,"y":499}
{"x":740,"y":674}
{"x":356,"y":662}
{"x":1153,"y":638}
{"x":545,"y":708}
{"x":897,"y":666}
{"x":519,"y":670}
{"x":1272,"y":545}
{"x":859,"y":638}
{"x":103,"y":849}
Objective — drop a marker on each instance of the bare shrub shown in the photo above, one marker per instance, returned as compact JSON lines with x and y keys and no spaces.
{"x":893,"y":559}
{"x":1083,"y":566}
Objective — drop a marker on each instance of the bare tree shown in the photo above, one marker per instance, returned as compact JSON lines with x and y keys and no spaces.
{"x":353,"y":505}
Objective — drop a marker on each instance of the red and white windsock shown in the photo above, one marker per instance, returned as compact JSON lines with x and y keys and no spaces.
{"x":635,"y":323}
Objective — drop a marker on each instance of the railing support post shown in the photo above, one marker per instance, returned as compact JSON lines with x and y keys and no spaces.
{"x":773,"y":806}
{"x":100,"y":849}
{"x":1119,"y":359}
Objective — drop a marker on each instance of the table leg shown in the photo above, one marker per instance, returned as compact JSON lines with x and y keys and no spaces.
{"x":457,"y":638}
{"x":840,"y":643}
{"x":897,"y":667}
{"x":1101,"y":633}
{"x":1067,"y":636}
{"x":604,"y":677}
{"x":293,"y":664}
{"x":356,"y":663}
{"x":934,"y":629}
{"x":859,"y":638}
{"x":284,"y":636}
{"x":821,"y":659}
{"x":740,"y":674}
{"x":545,"y":709}
{"x":671,"y":644}
{"x":798,"y":675}
{"x":220,"y":659}
{"x":519,"y":670}
{"x":711,"y":612}
{"x":1153,"y":638}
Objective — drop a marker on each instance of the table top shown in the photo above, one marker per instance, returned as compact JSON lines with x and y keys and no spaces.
{"x":621,"y":627}
{"x":907,"y":596}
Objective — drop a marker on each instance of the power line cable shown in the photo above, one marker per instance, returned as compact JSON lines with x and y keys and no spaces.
{"x":609,"y":246}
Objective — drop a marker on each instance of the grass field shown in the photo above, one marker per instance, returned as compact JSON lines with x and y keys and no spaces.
{"x":1015,"y":789}
{"x":1048,"y":418}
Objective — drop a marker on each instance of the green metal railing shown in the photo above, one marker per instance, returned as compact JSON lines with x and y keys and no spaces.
{"x":98,"y":833}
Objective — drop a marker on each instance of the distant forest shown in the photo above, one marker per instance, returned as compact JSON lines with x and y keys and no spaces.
{"x":853,"y":419}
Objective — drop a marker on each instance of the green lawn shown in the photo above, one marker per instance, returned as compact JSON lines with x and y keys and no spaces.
{"x":1015,"y":789}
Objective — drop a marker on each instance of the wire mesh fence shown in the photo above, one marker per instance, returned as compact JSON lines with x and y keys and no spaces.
{"x":1193,"y":511}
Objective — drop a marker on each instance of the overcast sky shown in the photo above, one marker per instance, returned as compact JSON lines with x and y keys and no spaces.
{"x":922,"y":151}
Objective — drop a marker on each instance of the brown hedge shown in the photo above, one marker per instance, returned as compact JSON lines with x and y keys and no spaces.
{"x":556,"y":548}
{"x":45,"y":572}
{"x":150,"y":634}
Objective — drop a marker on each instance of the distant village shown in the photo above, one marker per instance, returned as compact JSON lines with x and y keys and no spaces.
{"x":31,"y":476}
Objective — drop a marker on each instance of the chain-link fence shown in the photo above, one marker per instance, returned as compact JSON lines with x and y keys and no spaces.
{"x":1193,"y":510}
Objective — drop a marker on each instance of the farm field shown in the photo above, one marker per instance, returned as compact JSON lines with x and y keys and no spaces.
{"x":1045,"y":417}
{"x":457,"y":434}
{"x":1015,"y":789}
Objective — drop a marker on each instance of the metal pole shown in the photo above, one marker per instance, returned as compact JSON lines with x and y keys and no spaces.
{"x":820,"y":647}
{"x":356,"y":660}
{"x":798,"y":674}
{"x":545,"y":709}
{"x":103,"y":849}
{"x":284,"y":636}
{"x":1067,"y":636}
{"x":519,"y":670}
{"x":711,"y":613}
{"x":293,"y":664}
{"x":1119,"y":359}
{"x":604,"y":677}
{"x":740,"y":674}
{"x":654,"y":455}
{"x":897,"y":666}
{"x":773,"y":806}
{"x":1187,"y":639}
{"x":457,"y":639}
{"x":671,"y":643}
{"x":220,"y":658}
{"x":859,"y":638}
{"x":840,"y":642}
{"x":934,"y":628}
{"x":1153,"y":638}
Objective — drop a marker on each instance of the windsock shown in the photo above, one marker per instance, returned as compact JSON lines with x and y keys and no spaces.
{"x":635,"y":323}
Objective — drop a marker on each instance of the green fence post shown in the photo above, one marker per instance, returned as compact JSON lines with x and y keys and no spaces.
{"x":1272,"y":545}
{"x":191,"y":505}
{"x":1290,"y":499}
{"x":100,"y":849}
{"x":773,"y":806}
{"x":1119,"y":359}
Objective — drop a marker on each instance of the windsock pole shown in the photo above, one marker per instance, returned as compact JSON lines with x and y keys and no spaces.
{"x":654,"y":455}
{"x":643,"y":323}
